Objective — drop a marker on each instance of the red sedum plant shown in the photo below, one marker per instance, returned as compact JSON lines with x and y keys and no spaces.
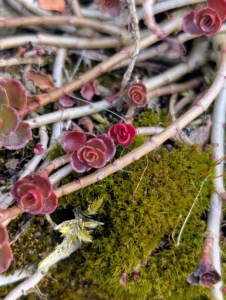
{"x":88,"y":151}
{"x":14,"y":133}
{"x":206,"y":20}
{"x":6,"y":254}
{"x":122,"y":134}
{"x":35,"y":195}
{"x":136,"y":94}
{"x":111,"y":7}
{"x":206,"y":275}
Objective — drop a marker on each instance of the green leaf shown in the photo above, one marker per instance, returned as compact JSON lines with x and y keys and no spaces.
{"x":92,"y":209}
{"x":100,"y":119}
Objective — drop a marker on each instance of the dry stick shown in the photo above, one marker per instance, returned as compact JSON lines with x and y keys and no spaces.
{"x":197,"y":57}
{"x":134,"y":27}
{"x":183,"y":102}
{"x":21,"y":61}
{"x":175,"y":88}
{"x":63,"y":42}
{"x":58,"y":66}
{"x":60,"y":174}
{"x":103,"y":67}
{"x":32,"y":281}
{"x":22,"y":11}
{"x":139,"y":152}
{"x":172,"y":4}
{"x":75,"y":6}
{"x":214,"y":217}
{"x":149,"y":19}
{"x":115,"y":31}
{"x":153,"y":51}
{"x":55,"y":164}
{"x":69,"y":113}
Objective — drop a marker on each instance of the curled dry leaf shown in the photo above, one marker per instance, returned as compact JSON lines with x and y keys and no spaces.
{"x":43,"y":81}
{"x":57,"y":5}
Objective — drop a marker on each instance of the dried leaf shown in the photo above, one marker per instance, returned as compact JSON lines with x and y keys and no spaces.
{"x":43,"y":81}
{"x":36,"y":98}
{"x":57,"y":5}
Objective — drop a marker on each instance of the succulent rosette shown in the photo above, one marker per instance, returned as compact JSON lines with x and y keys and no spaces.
{"x":88,"y":151}
{"x":14,"y":133}
{"x":6,"y":254}
{"x":136,"y":94}
{"x":206,"y":20}
{"x":206,"y":275}
{"x":122,"y":134}
{"x":111,"y":7}
{"x":35,"y":195}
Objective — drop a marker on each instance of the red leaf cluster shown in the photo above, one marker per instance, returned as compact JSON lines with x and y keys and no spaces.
{"x":206,"y":275}
{"x":206,"y":20}
{"x":136,"y":94}
{"x":34,"y":194}
{"x":122,"y":134}
{"x":88,"y":90}
{"x":88,"y":151}
{"x":14,"y":133}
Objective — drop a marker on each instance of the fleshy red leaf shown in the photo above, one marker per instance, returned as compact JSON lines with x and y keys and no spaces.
{"x":32,"y":201}
{"x":219,"y":6}
{"x":87,"y":92}
{"x":15,"y":187}
{"x":77,"y":165}
{"x":43,"y":184}
{"x":38,"y":150}
{"x":92,"y":157}
{"x":189,"y":26}
{"x":112,"y":7}
{"x":73,"y":141}
{"x":16,"y":93}
{"x":3,"y":96}
{"x":110,"y":152}
{"x":49,"y":204}
{"x":122,"y":133}
{"x":66,"y":101}
{"x":18,"y":139}
{"x":10,"y":119}
{"x":97,"y":143}
{"x":6,"y":256}
{"x":4,"y":237}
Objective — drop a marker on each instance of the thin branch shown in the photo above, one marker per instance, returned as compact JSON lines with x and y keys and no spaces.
{"x":23,"y":288}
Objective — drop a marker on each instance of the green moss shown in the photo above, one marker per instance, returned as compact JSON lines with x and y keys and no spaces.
{"x":144,"y":209}
{"x":56,"y":152}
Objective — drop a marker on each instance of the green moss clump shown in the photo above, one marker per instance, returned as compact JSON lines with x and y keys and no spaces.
{"x":143,"y":211}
